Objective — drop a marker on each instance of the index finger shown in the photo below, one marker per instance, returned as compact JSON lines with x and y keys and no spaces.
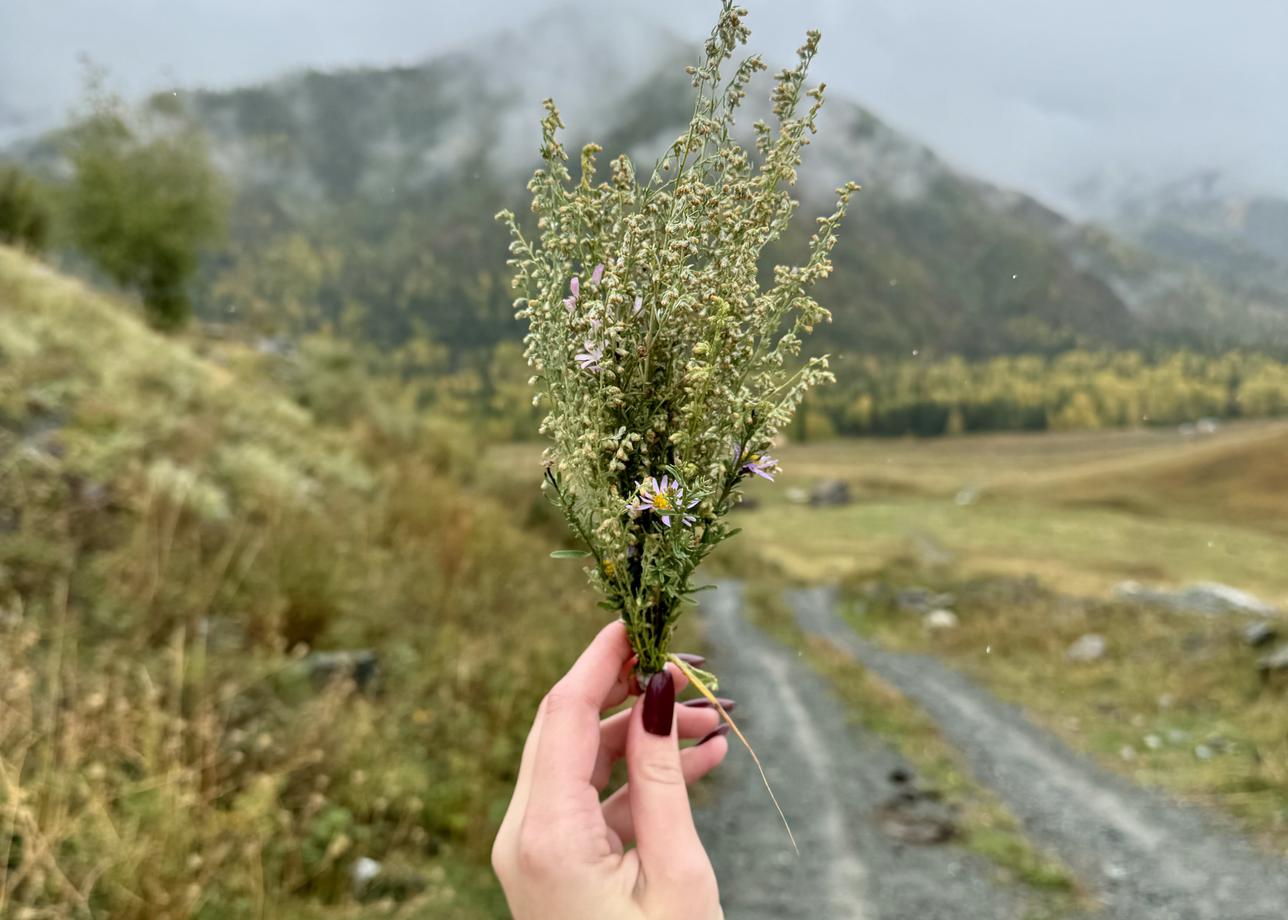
{"x":569,"y":743}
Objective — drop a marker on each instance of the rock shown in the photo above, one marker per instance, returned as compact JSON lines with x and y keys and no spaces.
{"x":829,"y":493}
{"x":373,"y":881}
{"x":918,"y":817}
{"x":1208,"y":598}
{"x":362,"y":666}
{"x":921,"y":600}
{"x":364,"y":869}
{"x":1274,"y":663}
{"x":1090,"y":647}
{"x":1260,"y":633}
{"x":940,"y":619}
{"x":899,"y":776}
{"x":797,"y":496}
{"x":1207,"y":426}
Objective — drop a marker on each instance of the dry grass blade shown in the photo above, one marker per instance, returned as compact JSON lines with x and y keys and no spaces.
{"x":711,"y":698}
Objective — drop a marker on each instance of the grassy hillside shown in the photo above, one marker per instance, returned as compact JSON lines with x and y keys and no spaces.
{"x":176,"y":535}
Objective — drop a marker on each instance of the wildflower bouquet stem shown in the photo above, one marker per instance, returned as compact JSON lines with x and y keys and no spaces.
{"x":667,"y":367}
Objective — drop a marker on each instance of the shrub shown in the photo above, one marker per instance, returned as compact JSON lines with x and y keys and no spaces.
{"x":24,"y":213}
{"x":143,"y":202}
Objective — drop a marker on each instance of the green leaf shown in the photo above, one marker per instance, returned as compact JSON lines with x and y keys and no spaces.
{"x":730,"y":533}
{"x":569,"y":554}
{"x":703,"y":588}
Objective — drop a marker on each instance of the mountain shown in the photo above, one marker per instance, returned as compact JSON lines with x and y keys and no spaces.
{"x":1211,"y":232}
{"x":370,"y":192}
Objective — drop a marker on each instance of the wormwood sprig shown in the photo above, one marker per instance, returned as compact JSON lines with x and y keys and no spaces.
{"x":666,"y":366}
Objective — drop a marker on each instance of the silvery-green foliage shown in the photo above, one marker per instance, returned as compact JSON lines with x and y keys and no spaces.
{"x":666,"y":366}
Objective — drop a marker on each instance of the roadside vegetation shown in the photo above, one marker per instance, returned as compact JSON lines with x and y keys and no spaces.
{"x":179,"y":537}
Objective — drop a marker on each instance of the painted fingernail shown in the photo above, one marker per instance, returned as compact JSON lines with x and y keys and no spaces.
{"x":659,"y":703}
{"x":718,"y":732}
{"x":691,"y":659}
{"x":704,"y":703}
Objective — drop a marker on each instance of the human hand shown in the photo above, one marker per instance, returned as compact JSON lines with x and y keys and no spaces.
{"x":561,"y":853}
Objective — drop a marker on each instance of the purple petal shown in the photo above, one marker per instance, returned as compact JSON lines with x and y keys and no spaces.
{"x":597,"y":273}
{"x":639,"y":305}
{"x":575,"y":286}
{"x":666,"y":519}
{"x":761,"y":473}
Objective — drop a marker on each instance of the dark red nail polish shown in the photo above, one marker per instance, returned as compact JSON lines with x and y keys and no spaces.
{"x":704,"y":703}
{"x":659,"y":703}
{"x":718,"y":732}
{"x":692,"y":660}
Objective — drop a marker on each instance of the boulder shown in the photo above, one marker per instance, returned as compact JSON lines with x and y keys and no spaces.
{"x":362,"y":666}
{"x":1276,"y":663}
{"x":1207,"y":598}
{"x":797,"y":496}
{"x":829,"y":493}
{"x":1260,"y":633}
{"x":941,"y":619}
{"x":1090,"y":647}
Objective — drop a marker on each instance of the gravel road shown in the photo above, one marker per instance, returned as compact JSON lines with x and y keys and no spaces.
{"x":1144,"y":857}
{"x":832,"y":781}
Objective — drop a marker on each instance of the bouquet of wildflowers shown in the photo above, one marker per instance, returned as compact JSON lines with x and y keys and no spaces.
{"x":667,"y":367}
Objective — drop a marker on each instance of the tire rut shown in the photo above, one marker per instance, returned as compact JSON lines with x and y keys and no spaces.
{"x":1146,"y":858}
{"x":831,"y":779}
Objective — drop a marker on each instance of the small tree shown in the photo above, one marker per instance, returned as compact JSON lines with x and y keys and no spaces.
{"x":144,"y":200}
{"x":24,"y":213}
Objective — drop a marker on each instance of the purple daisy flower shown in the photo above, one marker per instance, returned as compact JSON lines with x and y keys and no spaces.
{"x":761,"y":465}
{"x":590,"y":358}
{"x":665,"y":498}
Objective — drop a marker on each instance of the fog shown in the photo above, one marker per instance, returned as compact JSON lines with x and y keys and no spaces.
{"x":1036,"y":96}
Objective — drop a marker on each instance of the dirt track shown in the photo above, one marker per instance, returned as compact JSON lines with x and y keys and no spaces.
{"x":831,"y":781}
{"x":1143,"y":857}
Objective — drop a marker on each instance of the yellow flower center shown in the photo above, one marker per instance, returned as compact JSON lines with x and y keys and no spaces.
{"x":609,"y":569}
{"x":662,"y":502}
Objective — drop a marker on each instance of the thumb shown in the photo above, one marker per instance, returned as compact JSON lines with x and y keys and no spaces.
{"x":677,"y":875}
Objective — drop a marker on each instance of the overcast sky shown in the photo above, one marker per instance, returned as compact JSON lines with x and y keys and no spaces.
{"x":1031,"y":93}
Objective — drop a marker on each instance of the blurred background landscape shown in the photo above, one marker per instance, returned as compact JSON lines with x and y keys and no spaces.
{"x":276,"y":601}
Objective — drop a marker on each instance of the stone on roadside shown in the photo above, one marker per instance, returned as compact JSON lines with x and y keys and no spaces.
{"x":1090,"y":647}
{"x":1274,"y":663}
{"x":797,"y":496}
{"x":829,"y":493}
{"x":940,"y":619}
{"x":1208,"y":598}
{"x":362,"y":666}
{"x":1260,"y":633}
{"x":919,"y":817}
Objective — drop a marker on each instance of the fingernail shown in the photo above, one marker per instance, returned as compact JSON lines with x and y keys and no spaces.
{"x":659,"y":703}
{"x":718,"y":732}
{"x":704,"y":703}
{"x":695,"y":661}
